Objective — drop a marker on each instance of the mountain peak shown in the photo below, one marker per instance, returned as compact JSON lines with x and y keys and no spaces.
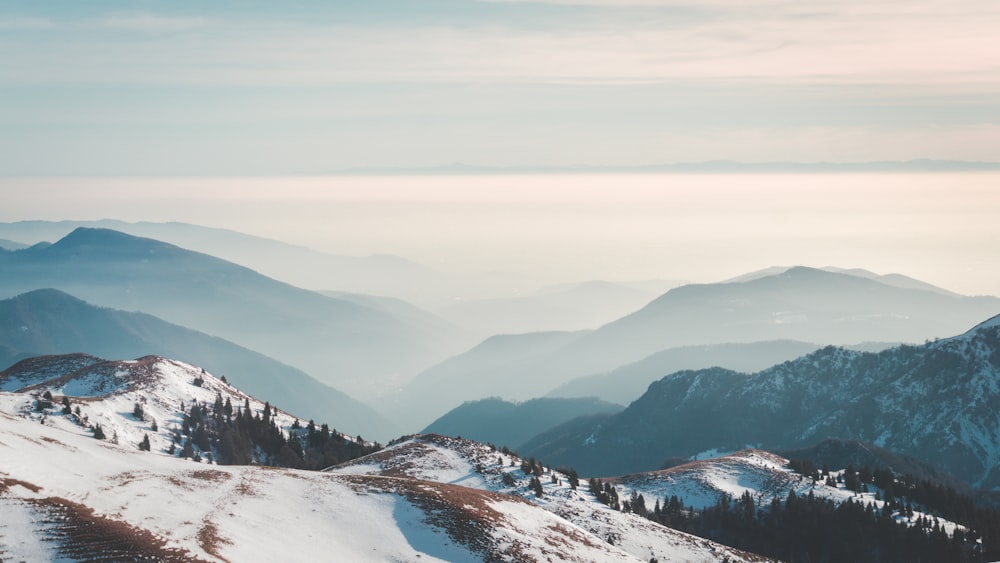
{"x":108,"y":242}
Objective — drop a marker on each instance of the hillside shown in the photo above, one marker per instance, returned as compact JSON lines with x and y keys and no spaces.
{"x":297,"y":265}
{"x":797,"y":304}
{"x":360,"y":350}
{"x":500,"y":366}
{"x":572,"y":307}
{"x":495,"y":421}
{"x":939,"y":402}
{"x":450,"y":460}
{"x":49,"y":322}
{"x":166,"y":405}
{"x":800,"y":303}
{"x":626,"y":383}
{"x":67,"y":495}
{"x":794,"y":511}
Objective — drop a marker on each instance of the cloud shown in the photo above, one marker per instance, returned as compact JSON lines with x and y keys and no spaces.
{"x":151,"y":23}
{"x":814,"y":41}
{"x":26,"y":23}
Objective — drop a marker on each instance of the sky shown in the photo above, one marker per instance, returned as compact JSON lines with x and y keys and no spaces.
{"x":241,"y":114}
{"x":175,"y":88}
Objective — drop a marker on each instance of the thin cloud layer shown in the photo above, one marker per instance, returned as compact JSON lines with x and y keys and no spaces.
{"x":505,"y":75}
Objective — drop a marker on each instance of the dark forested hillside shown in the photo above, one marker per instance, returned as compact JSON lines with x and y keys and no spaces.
{"x":939,"y":402}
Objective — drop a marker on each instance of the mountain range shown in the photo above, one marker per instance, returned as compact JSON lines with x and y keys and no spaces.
{"x":50,"y":322}
{"x":298,"y":265}
{"x":938,"y":402}
{"x":495,"y":421}
{"x":67,"y":495}
{"x":696,"y":326}
{"x":358,"y":349}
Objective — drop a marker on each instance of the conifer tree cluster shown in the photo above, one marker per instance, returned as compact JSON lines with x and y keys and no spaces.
{"x":239,"y":437}
{"x":808,"y":528}
{"x":818,"y":530}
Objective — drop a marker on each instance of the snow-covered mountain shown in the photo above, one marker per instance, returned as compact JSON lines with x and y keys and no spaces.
{"x":939,"y":402}
{"x":456,"y":461}
{"x":113,"y":393}
{"x":68,"y":496}
{"x":65,"y":496}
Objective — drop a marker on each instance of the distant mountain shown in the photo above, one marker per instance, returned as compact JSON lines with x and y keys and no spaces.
{"x":397,"y":308}
{"x":503,"y":423}
{"x":895,"y":280}
{"x":356,"y":348}
{"x":625,"y":384}
{"x":802,"y":304}
{"x":49,"y":322}
{"x":11,"y":245}
{"x":376,"y":274}
{"x":500,"y":366}
{"x":567,"y":307}
{"x":939,"y":402}
{"x":297,"y":265}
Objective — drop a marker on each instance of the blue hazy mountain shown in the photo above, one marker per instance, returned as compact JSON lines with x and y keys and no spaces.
{"x":506,"y":423}
{"x":938,"y":402}
{"x":791,"y":304}
{"x":50,"y":322}
{"x":626,"y":383}
{"x":358,"y":349}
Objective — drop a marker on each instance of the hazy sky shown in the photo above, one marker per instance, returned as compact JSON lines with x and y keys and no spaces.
{"x":153,"y":88}
{"x":304,"y":87}
{"x":942,"y":228}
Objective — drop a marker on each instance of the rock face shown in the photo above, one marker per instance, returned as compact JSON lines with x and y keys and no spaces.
{"x":939,"y":402}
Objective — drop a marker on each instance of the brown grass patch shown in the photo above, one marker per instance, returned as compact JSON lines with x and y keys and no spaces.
{"x":84,"y":536}
{"x":209,"y":539}
{"x":7,"y":482}
{"x":54,"y":441}
{"x":245,"y":487}
{"x":210,"y":475}
{"x":464,"y":514}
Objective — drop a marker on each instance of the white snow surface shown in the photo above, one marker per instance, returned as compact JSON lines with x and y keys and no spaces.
{"x":57,"y":482}
{"x":250,"y":513}
{"x":106,"y":393}
{"x":764,"y":475}
{"x":454,"y":460}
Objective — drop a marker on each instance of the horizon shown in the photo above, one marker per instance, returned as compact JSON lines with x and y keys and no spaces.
{"x":534,"y":230}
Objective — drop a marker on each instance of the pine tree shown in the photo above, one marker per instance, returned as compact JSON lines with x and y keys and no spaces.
{"x":574,"y":479}
{"x":99,"y":432}
{"x":144,"y":444}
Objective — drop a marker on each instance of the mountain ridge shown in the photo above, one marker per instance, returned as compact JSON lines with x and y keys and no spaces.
{"x":51,"y":322}
{"x":343,"y":343}
{"x":884,"y":398}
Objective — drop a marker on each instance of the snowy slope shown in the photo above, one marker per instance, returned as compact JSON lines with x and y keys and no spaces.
{"x":67,"y":496}
{"x":106,"y":393}
{"x":453,"y":460}
{"x":764,"y":475}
